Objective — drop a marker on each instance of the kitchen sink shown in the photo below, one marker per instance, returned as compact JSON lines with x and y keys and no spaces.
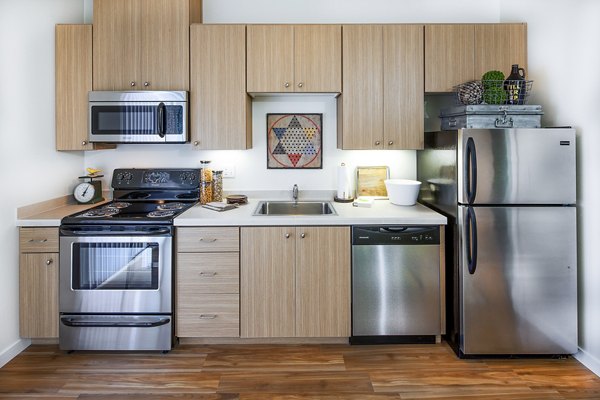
{"x":280,"y":208}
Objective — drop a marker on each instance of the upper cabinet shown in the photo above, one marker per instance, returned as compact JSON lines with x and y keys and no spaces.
{"x":294,"y":58}
{"x":455,"y":54}
{"x":142,"y":44}
{"x":499,"y":46}
{"x":220,"y":108}
{"x":381,"y":106}
{"x":73,"y":80}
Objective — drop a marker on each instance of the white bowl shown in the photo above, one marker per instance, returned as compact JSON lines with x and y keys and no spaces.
{"x":402,"y":192}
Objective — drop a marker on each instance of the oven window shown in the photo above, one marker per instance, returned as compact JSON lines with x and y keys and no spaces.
{"x":104,"y":266}
{"x":135,"y":120}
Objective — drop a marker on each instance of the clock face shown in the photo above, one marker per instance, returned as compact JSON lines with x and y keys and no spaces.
{"x":84,"y":192}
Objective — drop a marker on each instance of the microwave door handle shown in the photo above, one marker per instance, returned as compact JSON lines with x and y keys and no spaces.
{"x":161,"y":120}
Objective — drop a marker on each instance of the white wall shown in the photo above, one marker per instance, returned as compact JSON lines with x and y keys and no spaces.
{"x":30,"y":169}
{"x":564,"y":62}
{"x":250,"y":165}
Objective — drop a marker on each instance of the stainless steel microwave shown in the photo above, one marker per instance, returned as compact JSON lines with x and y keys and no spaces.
{"x":138,"y":117}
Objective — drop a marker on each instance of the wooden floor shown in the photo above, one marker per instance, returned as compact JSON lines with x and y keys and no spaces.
{"x":290,"y":372}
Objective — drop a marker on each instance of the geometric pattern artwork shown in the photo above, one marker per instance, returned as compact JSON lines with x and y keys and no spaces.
{"x":294,"y":141}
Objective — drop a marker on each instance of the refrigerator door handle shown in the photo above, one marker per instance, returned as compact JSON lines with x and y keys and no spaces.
{"x":471,"y":233}
{"x":471,"y":170}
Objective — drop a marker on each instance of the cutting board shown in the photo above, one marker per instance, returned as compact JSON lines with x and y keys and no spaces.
{"x":370,"y":181}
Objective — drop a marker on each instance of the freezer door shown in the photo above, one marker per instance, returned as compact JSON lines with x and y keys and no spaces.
{"x":516,"y":166}
{"x":518,"y":280}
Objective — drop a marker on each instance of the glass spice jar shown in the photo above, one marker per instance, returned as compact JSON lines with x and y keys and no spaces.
{"x":206,"y":176}
{"x":206,"y":172}
{"x":205,"y":192}
{"x":217,"y":185}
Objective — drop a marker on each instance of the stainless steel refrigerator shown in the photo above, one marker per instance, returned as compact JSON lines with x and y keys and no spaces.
{"x":511,"y":252}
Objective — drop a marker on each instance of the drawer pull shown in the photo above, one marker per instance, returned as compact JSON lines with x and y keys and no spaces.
{"x":208,"y":316}
{"x":38,"y":240}
{"x":49,"y":261}
{"x":208,"y":240}
{"x":208,"y":273}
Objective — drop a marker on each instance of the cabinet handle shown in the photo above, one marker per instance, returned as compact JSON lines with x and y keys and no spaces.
{"x":146,"y":84}
{"x":287,"y":84}
{"x":84,"y":142}
{"x":287,"y":235}
{"x":208,"y":240}
{"x":38,"y":240}
{"x":208,"y":316}
{"x":300,"y":84}
{"x":208,"y":273}
{"x":390,"y":143}
{"x":196,"y":143}
{"x":303,"y":235}
{"x":132,"y":83}
{"x":49,"y":261}
{"x":377,"y":143}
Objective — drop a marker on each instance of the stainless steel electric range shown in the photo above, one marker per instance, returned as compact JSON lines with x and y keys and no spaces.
{"x":116,"y":263}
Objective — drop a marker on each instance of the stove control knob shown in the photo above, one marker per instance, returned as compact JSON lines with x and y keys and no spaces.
{"x":120,"y":176}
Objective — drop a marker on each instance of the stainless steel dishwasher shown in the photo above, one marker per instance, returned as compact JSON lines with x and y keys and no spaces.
{"x":395,"y":284}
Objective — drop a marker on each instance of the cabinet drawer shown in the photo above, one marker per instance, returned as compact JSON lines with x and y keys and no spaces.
{"x":208,"y":239}
{"x":207,"y":273}
{"x":38,"y":240}
{"x":208,"y":315}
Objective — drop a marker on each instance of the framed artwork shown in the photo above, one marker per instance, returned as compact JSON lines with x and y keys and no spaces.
{"x":294,"y":141}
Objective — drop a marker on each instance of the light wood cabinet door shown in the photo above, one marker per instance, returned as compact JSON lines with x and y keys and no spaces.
{"x":318,"y":58}
{"x":360,"y":107}
{"x":208,"y":239}
{"x":449,"y":56}
{"x":208,"y":315}
{"x":207,"y":273}
{"x":499,"y":46}
{"x":38,"y":295}
{"x":38,"y":240}
{"x":142,"y":44}
{"x":221,"y":110}
{"x":323,"y":281}
{"x":403,"y":87}
{"x":267,"y":300}
{"x":116,"y":45}
{"x":73,"y":78}
{"x":270,"y":65}
{"x":165,"y":44}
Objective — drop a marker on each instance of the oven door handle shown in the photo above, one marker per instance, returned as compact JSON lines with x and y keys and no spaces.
{"x":87,"y":323}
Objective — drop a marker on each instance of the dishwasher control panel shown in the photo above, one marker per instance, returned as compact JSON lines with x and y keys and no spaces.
{"x":396,"y":235}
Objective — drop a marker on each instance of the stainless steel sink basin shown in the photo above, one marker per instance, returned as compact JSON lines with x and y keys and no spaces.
{"x":294,"y":208}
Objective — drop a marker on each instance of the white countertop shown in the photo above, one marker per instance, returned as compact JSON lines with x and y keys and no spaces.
{"x":382,"y":212}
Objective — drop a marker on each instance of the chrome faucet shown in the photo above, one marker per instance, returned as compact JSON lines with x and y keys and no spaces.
{"x":295,"y":193}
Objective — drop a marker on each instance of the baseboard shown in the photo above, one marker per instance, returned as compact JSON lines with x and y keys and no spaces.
{"x":588,"y":360}
{"x":12,"y":351}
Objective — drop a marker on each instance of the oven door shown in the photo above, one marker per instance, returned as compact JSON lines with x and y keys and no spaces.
{"x":138,"y":122}
{"x":112,"y":272}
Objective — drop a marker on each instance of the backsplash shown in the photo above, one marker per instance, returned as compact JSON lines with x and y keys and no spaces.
{"x":250,"y":166}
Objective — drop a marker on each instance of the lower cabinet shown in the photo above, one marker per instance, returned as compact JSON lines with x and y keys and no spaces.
{"x":38,"y":282}
{"x":207,"y":282}
{"x":295,"y":282}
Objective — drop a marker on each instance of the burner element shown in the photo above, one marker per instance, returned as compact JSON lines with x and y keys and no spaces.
{"x":161,"y":213}
{"x":118,"y":205}
{"x":100,"y":212}
{"x":170,"y":206}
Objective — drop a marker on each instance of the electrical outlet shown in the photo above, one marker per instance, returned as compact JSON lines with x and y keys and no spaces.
{"x":228,"y":171}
